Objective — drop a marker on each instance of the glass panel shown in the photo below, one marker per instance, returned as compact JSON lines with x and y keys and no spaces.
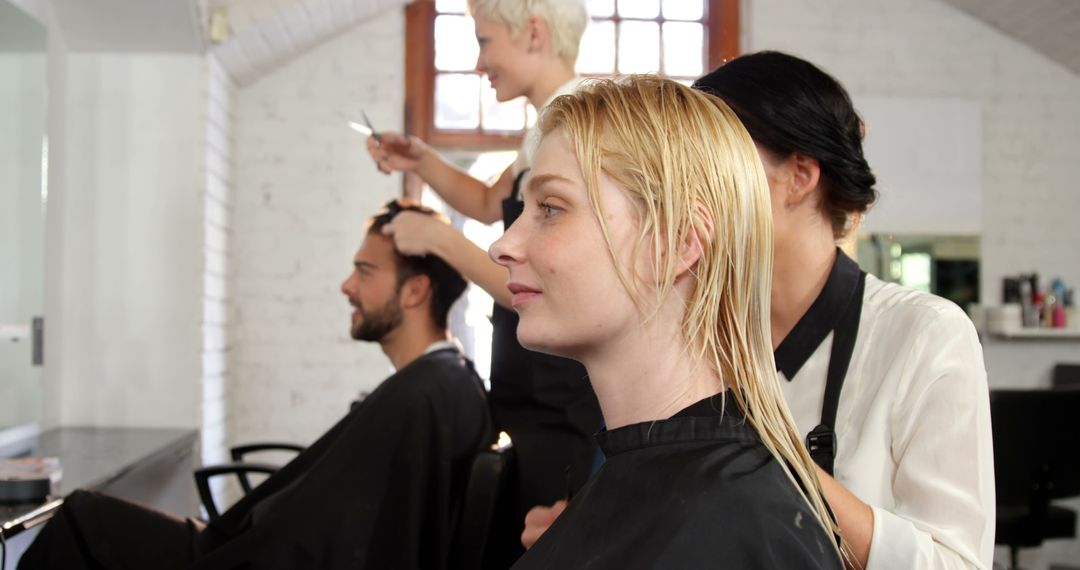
{"x":600,"y":8}
{"x":597,"y":53}
{"x":639,"y":47}
{"x":639,"y":8}
{"x":508,"y":116}
{"x":684,"y":49}
{"x":23,"y":164}
{"x":453,"y":6}
{"x":455,"y":44}
{"x":684,"y":9}
{"x":457,"y":101}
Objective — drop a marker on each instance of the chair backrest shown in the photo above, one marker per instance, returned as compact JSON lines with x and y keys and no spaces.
{"x":1017,"y":465}
{"x":1036,"y":445}
{"x":1066,"y":375}
{"x":484,"y":509}
{"x":1061,"y":438}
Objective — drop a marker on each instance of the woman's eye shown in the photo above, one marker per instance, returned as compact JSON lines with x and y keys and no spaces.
{"x":548,"y":210}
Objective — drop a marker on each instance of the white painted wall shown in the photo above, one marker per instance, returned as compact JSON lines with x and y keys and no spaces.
{"x":303,"y":187}
{"x":1030,"y":111}
{"x":126,"y":258}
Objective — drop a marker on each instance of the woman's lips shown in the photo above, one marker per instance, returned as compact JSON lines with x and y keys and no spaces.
{"x":521,"y":293}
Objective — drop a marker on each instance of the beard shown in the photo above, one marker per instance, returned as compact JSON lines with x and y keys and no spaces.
{"x":376,"y":324}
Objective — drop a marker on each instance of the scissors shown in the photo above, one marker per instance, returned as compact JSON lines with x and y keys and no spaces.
{"x":366,"y":128}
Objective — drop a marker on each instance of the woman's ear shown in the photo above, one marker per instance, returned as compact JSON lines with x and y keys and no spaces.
{"x":539,"y":34}
{"x":415,"y":291}
{"x":701,"y":234}
{"x":805,"y":174}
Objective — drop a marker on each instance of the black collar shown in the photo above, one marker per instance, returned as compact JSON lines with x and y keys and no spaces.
{"x":820,"y":319}
{"x":711,"y":419}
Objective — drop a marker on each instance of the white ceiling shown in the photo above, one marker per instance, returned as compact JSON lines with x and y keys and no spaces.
{"x":1051,"y":27}
{"x":267,"y":33}
{"x":129,"y":25}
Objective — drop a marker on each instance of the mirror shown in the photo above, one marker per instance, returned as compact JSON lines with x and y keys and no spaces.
{"x":23,"y":156}
{"x":947,"y":266}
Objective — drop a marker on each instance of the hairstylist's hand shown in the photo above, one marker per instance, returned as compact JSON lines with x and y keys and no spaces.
{"x":538,"y":520}
{"x":416,"y":234}
{"x":396,"y":152}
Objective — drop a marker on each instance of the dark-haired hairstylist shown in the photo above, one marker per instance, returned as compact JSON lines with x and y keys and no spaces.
{"x":887,"y":383}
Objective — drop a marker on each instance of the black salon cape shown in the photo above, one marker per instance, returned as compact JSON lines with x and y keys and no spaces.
{"x":381,"y":489}
{"x":695,"y":491}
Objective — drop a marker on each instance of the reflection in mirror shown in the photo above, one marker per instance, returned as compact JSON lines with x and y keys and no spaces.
{"x":947,"y":266}
{"x":22,"y":209}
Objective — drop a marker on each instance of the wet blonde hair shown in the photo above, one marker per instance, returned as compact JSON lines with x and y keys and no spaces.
{"x":684,"y":159}
{"x":566,"y":20}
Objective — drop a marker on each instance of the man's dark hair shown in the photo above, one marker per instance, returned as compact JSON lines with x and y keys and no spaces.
{"x":446,"y":283}
{"x":789,"y":105}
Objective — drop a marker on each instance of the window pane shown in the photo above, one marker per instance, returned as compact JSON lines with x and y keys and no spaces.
{"x":684,"y":9}
{"x":455,"y":43}
{"x":530,"y":116}
{"x":452,"y":6}
{"x":600,"y":8}
{"x":597,"y":53}
{"x":508,"y":116}
{"x":639,"y":8}
{"x":683,"y":49}
{"x":457,"y":101}
{"x":639,"y":47}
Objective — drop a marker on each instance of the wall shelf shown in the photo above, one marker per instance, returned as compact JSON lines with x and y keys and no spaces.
{"x":1037,"y":334}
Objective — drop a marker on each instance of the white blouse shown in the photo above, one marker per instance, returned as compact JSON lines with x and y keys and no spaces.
{"x":913,"y":424}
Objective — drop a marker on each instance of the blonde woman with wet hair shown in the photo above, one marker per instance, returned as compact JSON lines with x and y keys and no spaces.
{"x":645,"y":252}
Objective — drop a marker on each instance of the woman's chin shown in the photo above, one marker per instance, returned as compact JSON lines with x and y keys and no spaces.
{"x":544,"y":343}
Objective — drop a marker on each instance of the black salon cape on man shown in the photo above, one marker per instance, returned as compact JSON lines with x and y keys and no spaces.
{"x":379,"y":490}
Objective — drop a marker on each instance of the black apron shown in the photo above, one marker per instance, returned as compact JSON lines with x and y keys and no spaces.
{"x":545,"y":403}
{"x":821,"y":441}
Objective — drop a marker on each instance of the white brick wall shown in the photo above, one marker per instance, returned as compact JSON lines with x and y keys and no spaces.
{"x":218,"y":96}
{"x":303,"y":186}
{"x":1031,"y":108}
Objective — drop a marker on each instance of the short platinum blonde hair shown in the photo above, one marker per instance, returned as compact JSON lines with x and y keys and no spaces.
{"x":688,"y":165}
{"x":566,"y":20}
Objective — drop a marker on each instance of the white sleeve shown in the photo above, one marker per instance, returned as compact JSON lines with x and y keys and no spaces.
{"x":943,"y":488}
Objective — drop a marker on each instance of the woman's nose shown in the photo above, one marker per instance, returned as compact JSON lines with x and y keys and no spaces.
{"x":506,"y":250}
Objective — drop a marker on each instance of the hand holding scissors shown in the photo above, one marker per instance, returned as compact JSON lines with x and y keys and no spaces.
{"x":392,"y":152}
{"x":366,"y":128}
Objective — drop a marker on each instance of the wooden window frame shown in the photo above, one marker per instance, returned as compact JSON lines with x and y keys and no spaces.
{"x":721,"y":37}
